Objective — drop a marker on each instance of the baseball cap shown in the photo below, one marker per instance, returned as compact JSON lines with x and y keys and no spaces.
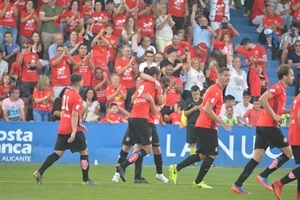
{"x":202,"y":47}
{"x":171,"y":50}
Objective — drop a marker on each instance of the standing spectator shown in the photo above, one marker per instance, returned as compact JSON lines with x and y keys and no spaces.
{"x":146,"y":21}
{"x":226,"y":28}
{"x":116,"y":93}
{"x":238,"y":78}
{"x":28,"y":21}
{"x":257,"y":14}
{"x":73,"y":17}
{"x":149,"y":62}
{"x":218,"y":9}
{"x":283,"y":9}
{"x":211,"y":71}
{"x":158,"y":57}
{"x":91,"y":107}
{"x":293,"y":59}
{"x":72,"y":43}
{"x":30,"y":64}
{"x":131,"y":34}
{"x":49,"y":16}
{"x":5,"y":87}
{"x":99,"y":83}
{"x":112,"y":46}
{"x":201,"y":53}
{"x":3,"y":66}
{"x":118,"y":20}
{"x":43,"y":98}
{"x":13,"y":107}
{"x":145,"y":45}
{"x":127,"y":68}
{"x":84,"y":66}
{"x":295,"y":8}
{"x":177,"y":9}
{"x":14,"y":73}
{"x":88,"y":11}
{"x":100,"y":18}
{"x":229,"y":118}
{"x":163,"y":25}
{"x":252,"y":114}
{"x":258,"y":81}
{"x":174,"y":92}
{"x":175,"y":117}
{"x":241,"y":108}
{"x":8,"y":19}
{"x":60,"y":69}
{"x":58,"y":40}
{"x":10,"y":49}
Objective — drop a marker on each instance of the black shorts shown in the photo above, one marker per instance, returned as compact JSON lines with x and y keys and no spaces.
{"x":179,"y":22}
{"x":296,"y":153}
{"x":191,"y":136}
{"x":155,"y":137}
{"x":26,"y":88}
{"x":127,"y":140}
{"x":139,"y":131}
{"x":209,"y":141}
{"x":269,"y":136}
{"x":79,"y":143}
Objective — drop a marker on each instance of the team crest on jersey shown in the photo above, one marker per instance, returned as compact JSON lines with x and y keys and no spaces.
{"x":272,"y":90}
{"x":284,"y":139}
{"x":77,"y":107}
{"x":212,"y":100}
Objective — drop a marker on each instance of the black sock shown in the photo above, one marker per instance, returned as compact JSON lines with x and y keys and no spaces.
{"x":138,"y":168}
{"x":246,"y":173}
{"x":48,"y":162}
{"x":158,"y":163}
{"x":276,"y":163}
{"x":84,"y":164}
{"x":291,"y":176}
{"x":122,"y":157}
{"x":207,"y":162}
{"x":133,"y":157}
{"x":188,"y":161}
{"x":298,"y":185}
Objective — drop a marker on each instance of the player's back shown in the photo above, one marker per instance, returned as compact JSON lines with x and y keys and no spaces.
{"x":71,"y":101}
{"x":294,"y":129}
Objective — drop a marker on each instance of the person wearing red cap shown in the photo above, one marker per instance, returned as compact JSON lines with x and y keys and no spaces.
{"x":201,"y":53}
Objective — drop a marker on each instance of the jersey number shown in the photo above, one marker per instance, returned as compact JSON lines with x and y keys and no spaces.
{"x":140,"y":90}
{"x":65,"y":102}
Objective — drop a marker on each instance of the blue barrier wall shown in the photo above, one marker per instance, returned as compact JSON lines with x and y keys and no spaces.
{"x":28,"y":142}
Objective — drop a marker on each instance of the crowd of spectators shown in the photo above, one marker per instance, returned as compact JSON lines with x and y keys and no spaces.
{"x":111,"y":43}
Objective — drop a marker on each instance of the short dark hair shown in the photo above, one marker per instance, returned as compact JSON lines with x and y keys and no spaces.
{"x":246,"y":93}
{"x":149,"y":51}
{"x":12,"y":90}
{"x":229,"y":97}
{"x":283,"y":70}
{"x":245,"y":41}
{"x":8,"y":33}
{"x":166,"y":81}
{"x":153,"y":71}
{"x":1,"y":52}
{"x":180,"y":104}
{"x":113,"y":104}
{"x":75,"y":78}
{"x":110,"y":1}
{"x":223,"y":69}
{"x":195,"y":88}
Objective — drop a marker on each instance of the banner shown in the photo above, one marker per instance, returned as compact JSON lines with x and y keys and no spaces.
{"x":29,"y":142}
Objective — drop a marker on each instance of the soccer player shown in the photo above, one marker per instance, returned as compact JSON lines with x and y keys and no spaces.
{"x":139,"y":131}
{"x":294,"y":139}
{"x":70,"y":132}
{"x":207,"y":133}
{"x":268,"y":133}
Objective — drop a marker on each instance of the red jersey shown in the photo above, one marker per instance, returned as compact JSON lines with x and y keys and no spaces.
{"x":9,"y":19}
{"x":177,"y":7}
{"x":141,"y":107}
{"x":101,"y":97}
{"x":258,"y":52}
{"x":174,"y":118}
{"x":119,"y":22}
{"x":4,"y":89}
{"x":157,"y":118}
{"x":118,"y":98}
{"x":63,"y":3}
{"x":253,"y":115}
{"x":213,"y":96}
{"x":258,"y":7}
{"x":294,"y":130}
{"x":60,"y":72}
{"x":167,"y":47}
{"x":172,"y":96}
{"x":21,"y":5}
{"x":228,"y":31}
{"x":220,"y":11}
{"x":29,"y":75}
{"x":15,"y":69}
{"x":270,"y":21}
{"x":71,"y":101}
{"x":98,"y":15}
{"x":202,"y":57}
{"x":131,"y":4}
{"x":147,"y":24}
{"x":100,"y":55}
{"x":87,"y":11}
{"x":74,"y":22}
{"x":113,"y":40}
{"x":84,"y":70}
{"x":295,"y":13}
{"x":46,"y":105}
{"x":127,"y":78}
{"x":277,"y":103}
{"x":29,"y":26}
{"x":116,"y":118}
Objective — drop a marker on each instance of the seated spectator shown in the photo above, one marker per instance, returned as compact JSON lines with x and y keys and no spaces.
{"x":10,"y":49}
{"x":56,"y":108}
{"x":116,"y":93}
{"x":149,"y":58}
{"x":8,"y":19}
{"x":177,"y":10}
{"x":273,"y":26}
{"x":211,"y":71}
{"x":229,"y":118}
{"x":73,"y":16}
{"x":228,"y":101}
{"x":252,"y":115}
{"x":257,"y":13}
{"x":258,"y":81}
{"x":91,"y":107}
{"x":3,"y":66}
{"x":5,"y":86}
{"x":283,"y":9}
{"x":88,"y":11}
{"x":146,"y":21}
{"x":293,"y":59}
{"x":43,"y":98}
{"x":175,"y":117}
{"x":118,"y":20}
{"x":14,"y":73}
{"x":171,"y":59}
{"x":58,"y":40}
{"x":226,"y":28}
{"x":145,"y":45}
{"x":113,"y":116}
{"x":100,"y":17}
{"x":13,"y":107}
{"x":223,"y":46}
{"x":131,"y":34}
{"x":242,"y":107}
{"x":238,"y":78}
{"x":29,"y":19}
{"x":158,"y":57}
{"x":176,"y":39}
{"x":72,"y":44}
{"x":294,"y":4}
{"x":201,"y":53}
{"x":164,"y":25}
{"x":38,"y":47}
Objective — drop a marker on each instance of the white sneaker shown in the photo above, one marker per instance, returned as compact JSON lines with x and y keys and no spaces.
{"x":162,"y":178}
{"x":90,"y":33}
{"x":86,"y":37}
{"x":116,"y":177}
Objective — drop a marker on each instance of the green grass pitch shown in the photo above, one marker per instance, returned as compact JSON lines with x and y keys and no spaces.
{"x":62,"y":182}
